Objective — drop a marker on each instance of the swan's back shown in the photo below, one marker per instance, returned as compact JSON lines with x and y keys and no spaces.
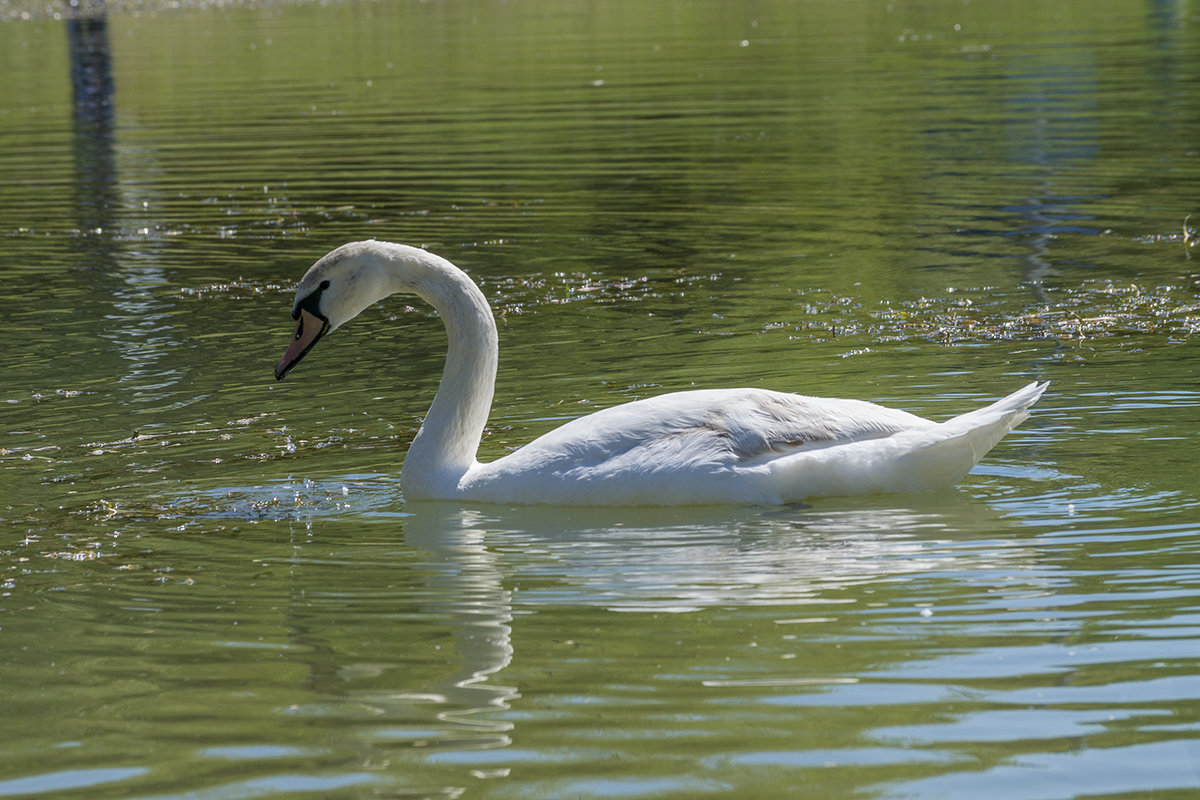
{"x":714,"y":428}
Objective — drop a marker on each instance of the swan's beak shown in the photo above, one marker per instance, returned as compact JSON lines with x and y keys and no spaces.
{"x":309,"y":329}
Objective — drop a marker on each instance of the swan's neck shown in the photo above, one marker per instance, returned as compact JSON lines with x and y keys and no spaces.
{"x":445,"y":446}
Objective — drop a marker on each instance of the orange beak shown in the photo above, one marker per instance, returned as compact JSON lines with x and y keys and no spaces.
{"x":309,"y":329}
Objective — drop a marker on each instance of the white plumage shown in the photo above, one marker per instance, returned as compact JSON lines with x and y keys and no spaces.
{"x":705,"y":446}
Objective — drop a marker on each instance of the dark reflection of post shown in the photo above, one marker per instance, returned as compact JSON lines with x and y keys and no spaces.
{"x":1053,"y":131}
{"x":93,"y":104}
{"x":140,"y":333}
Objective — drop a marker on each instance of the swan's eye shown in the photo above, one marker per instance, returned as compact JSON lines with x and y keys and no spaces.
{"x":311,"y":303}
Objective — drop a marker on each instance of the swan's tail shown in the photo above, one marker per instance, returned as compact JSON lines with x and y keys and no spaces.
{"x":914,"y":460}
{"x":988,"y":425}
{"x":968,"y":437}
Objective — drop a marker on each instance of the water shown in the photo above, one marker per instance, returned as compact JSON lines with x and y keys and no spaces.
{"x":210,"y":585}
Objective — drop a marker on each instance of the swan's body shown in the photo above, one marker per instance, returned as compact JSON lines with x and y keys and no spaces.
{"x":707,"y":446}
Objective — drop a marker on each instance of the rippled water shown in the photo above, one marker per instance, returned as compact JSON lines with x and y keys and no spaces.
{"x":211,"y":587}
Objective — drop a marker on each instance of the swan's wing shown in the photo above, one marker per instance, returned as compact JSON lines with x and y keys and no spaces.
{"x":712,"y":429}
{"x":765,"y":425}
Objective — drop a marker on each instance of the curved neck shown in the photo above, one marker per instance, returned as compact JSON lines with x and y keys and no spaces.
{"x":445,"y":446}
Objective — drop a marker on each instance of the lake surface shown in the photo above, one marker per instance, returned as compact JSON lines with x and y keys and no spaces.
{"x":212,"y":587}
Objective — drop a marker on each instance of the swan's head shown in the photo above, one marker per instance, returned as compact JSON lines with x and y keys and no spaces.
{"x":334,"y":291}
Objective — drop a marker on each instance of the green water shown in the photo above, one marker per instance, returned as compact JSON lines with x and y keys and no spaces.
{"x":211,"y":586}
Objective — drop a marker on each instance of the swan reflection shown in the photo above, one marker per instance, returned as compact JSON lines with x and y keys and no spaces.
{"x":672,"y":559}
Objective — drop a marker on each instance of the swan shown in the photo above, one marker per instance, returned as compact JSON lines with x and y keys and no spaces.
{"x":694,"y":447}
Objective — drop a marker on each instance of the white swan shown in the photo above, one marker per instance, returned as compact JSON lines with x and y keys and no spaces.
{"x":707,"y":446}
